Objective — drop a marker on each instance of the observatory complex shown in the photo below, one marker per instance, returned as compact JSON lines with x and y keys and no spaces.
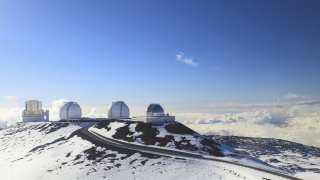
{"x":71,"y":112}
{"x":33,"y":112}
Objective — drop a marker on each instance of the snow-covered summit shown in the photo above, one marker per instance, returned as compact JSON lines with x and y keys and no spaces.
{"x":172,"y":135}
{"x":50,"y":150}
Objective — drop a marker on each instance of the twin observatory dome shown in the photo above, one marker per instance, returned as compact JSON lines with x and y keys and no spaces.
{"x":71,"y":111}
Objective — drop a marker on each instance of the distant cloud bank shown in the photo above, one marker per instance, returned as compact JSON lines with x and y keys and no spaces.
{"x":297,"y":121}
{"x":186,"y":60}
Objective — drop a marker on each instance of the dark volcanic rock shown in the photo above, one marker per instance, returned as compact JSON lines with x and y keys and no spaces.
{"x":175,"y":134}
{"x":289,"y":156}
{"x":178,"y":128}
{"x":267,"y":146}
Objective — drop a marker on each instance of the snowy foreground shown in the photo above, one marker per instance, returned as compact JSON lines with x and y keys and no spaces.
{"x":57,"y":151}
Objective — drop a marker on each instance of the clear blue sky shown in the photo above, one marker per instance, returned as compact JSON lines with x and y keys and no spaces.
{"x":99,"y":51}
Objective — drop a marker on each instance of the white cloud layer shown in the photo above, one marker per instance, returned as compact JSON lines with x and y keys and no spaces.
{"x":96,"y":112}
{"x":9,"y":116}
{"x":54,"y":111}
{"x":186,"y":60}
{"x":297,"y":121}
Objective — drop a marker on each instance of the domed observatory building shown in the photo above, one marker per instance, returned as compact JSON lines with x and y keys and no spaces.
{"x":70,"y":111}
{"x":118,"y":110}
{"x":155,"y":114}
{"x":155,"y":110}
{"x":33,"y":112}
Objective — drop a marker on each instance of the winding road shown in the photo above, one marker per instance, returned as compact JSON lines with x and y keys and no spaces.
{"x":167,"y":152}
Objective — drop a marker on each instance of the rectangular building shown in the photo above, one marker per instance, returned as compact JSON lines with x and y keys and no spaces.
{"x":33,"y":112}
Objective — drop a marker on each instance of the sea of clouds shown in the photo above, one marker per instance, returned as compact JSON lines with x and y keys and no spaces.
{"x":294,"y":118}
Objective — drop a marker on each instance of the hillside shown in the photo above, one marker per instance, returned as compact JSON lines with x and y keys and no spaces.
{"x":302,"y":160}
{"x":60,"y":151}
{"x":175,"y":136}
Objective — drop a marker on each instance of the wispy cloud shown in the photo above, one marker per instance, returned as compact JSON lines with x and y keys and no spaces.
{"x":55,"y":109}
{"x":186,"y":60}
{"x":291,"y":96}
{"x":9,"y":116}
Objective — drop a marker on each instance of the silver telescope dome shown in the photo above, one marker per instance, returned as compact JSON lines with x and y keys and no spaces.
{"x":70,"y":110}
{"x":118,"y":110}
{"x":155,"y":110}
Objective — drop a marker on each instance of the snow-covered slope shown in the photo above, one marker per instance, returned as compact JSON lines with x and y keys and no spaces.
{"x":173,"y":136}
{"x":59,"y":151}
{"x":302,"y":160}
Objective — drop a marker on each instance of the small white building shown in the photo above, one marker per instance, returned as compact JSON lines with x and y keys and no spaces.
{"x":33,"y":112}
{"x":155,"y":114}
{"x":70,"y":111}
{"x":118,"y":110}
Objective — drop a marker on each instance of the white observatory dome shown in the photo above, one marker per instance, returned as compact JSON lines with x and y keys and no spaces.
{"x":118,"y":110}
{"x":70,"y":110}
{"x":155,"y":110}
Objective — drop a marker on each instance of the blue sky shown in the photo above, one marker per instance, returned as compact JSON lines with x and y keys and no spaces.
{"x":99,"y":51}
